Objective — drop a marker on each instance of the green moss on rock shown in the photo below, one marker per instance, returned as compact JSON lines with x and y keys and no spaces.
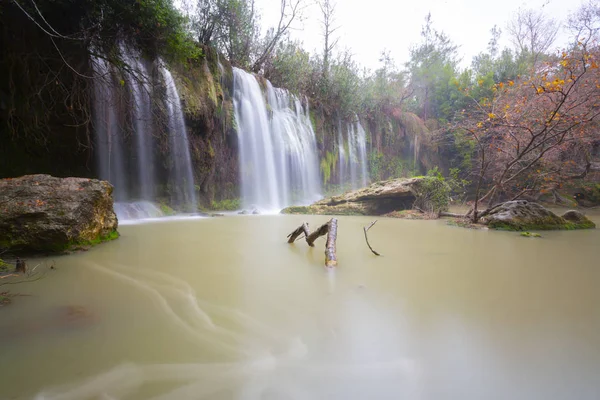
{"x":380,"y":198}
{"x":226,"y":205}
{"x":42,"y":213}
{"x":531,"y":235}
{"x":521,"y":215}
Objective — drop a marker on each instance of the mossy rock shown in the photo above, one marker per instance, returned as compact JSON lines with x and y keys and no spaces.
{"x":531,"y":235}
{"x":166,"y":209}
{"x":41,"y":213}
{"x":429,"y":194}
{"x":522,"y":215}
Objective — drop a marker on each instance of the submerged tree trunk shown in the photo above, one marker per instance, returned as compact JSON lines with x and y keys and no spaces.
{"x":301,"y":229}
{"x":322,"y":231}
{"x":329,"y":229}
{"x":330,"y":256}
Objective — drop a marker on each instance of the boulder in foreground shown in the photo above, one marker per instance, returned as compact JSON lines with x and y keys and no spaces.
{"x":41,"y":213}
{"x":429,"y":194}
{"x":522,"y":215}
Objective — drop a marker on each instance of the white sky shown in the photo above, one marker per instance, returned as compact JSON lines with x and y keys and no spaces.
{"x":369,"y":26}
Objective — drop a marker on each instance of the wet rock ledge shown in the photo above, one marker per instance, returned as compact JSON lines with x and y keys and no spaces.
{"x":45,"y":214}
{"x":523,"y":215}
{"x":428,"y":194}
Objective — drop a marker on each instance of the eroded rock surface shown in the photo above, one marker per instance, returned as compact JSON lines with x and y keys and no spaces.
{"x":523,"y":215}
{"x":426,"y":193}
{"x":42,"y":213}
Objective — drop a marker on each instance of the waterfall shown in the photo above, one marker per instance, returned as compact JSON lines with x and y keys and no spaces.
{"x":416,"y":152}
{"x":182,"y":177}
{"x":125,"y":120}
{"x":109,"y":141}
{"x":342,"y":157}
{"x":361,"y":144}
{"x":142,"y":123}
{"x":277,"y":146}
{"x":137,"y":210}
{"x":353,"y":156}
{"x":355,"y":159}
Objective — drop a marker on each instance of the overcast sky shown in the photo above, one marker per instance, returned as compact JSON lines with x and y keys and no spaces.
{"x":369,"y":26}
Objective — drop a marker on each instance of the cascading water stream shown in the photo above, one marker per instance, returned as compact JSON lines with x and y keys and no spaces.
{"x":109,"y":141}
{"x":182,"y":177}
{"x":361,"y":142}
{"x":124,"y":124}
{"x":356,"y":159}
{"x":142,"y":123}
{"x":342,"y":157}
{"x":277,"y":146}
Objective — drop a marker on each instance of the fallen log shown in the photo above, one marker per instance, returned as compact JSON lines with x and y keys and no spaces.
{"x":329,"y":229}
{"x":301,"y":229}
{"x":330,"y":256}
{"x":321,"y":231}
{"x":453,"y":215}
{"x":366,"y":228}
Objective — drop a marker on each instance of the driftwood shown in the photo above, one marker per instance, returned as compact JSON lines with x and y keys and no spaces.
{"x":330,"y":257}
{"x":329,"y":229}
{"x":366,"y":229}
{"x":453,"y":215}
{"x":321,"y":231}
{"x":301,"y":229}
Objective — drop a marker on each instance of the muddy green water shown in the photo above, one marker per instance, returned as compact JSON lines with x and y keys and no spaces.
{"x":224,"y":308}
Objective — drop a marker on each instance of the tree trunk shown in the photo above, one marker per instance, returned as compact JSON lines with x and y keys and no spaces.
{"x":330,"y":256}
{"x":323,"y":229}
{"x":453,"y":215}
{"x":329,"y":229}
{"x":301,"y":229}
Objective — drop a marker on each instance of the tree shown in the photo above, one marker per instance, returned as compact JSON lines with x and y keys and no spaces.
{"x":432,"y":65}
{"x":238,"y":31}
{"x":290,"y":10}
{"x":584,"y":23}
{"x":525,"y":134}
{"x":291,"y":67}
{"x":385,"y":90}
{"x":233,"y":27}
{"x":205,"y":19}
{"x":493,"y":44}
{"x":532,"y":33}
{"x":328,"y":25}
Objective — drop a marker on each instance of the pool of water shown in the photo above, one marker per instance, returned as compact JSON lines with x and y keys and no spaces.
{"x":224,"y":308}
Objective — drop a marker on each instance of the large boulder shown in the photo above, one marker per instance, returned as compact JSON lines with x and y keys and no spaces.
{"x":522,"y":215}
{"x":41,"y":213}
{"x":426,"y":193}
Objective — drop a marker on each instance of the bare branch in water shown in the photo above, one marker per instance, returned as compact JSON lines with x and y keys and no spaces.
{"x":366,"y":229}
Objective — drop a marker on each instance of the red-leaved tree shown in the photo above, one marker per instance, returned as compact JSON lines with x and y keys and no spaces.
{"x":535,"y":132}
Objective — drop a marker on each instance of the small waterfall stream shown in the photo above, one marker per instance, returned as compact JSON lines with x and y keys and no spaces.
{"x":277,"y":146}
{"x":109,"y":141}
{"x":182,"y":176}
{"x":342,"y":156}
{"x":142,"y":123}
{"x":361,"y":145}
{"x":125,"y":119}
{"x":352,"y":165}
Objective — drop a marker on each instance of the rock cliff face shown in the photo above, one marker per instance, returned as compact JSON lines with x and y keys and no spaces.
{"x":41,"y":213}
{"x":427,"y":193}
{"x":522,"y":215}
